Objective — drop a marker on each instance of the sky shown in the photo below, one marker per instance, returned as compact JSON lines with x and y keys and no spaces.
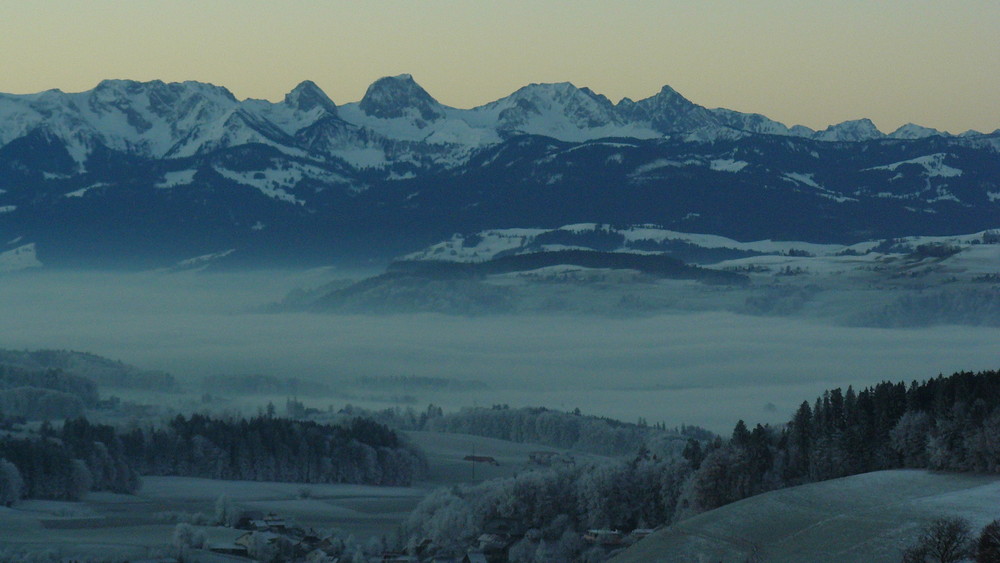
{"x":935,"y":63}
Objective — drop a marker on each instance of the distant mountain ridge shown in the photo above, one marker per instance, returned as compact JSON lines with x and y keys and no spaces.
{"x":153,"y":173}
{"x":168,"y":120}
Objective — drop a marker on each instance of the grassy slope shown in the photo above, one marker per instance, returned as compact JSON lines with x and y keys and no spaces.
{"x":870,"y":517}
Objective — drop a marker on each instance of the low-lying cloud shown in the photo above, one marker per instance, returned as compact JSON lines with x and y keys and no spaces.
{"x":708,"y":368}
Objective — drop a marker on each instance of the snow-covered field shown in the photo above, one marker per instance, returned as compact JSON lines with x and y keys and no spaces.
{"x":870,"y":517}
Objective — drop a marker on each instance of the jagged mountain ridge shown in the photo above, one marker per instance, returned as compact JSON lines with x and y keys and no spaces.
{"x":160,"y":173}
{"x":167,"y":120}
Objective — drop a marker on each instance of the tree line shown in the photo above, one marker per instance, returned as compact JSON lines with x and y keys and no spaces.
{"x":65,"y":464}
{"x":266,"y":448}
{"x":84,"y":456}
{"x":946,"y":423}
{"x":949,"y":423}
{"x":545,"y":512}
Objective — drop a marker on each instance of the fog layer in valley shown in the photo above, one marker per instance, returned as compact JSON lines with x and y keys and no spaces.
{"x":705,"y":368}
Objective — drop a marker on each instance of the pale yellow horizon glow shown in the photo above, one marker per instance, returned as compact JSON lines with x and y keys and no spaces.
{"x":935,"y":63}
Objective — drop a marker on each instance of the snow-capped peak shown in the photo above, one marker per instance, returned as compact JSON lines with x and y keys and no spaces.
{"x":562,"y":101}
{"x":853,"y":130}
{"x":667,"y":112}
{"x":399,"y":96}
{"x":308,"y":96}
{"x":913,"y":131}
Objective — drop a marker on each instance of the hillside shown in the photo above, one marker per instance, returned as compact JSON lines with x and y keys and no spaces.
{"x":870,"y":517}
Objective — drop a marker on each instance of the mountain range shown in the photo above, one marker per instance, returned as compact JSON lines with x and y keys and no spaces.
{"x":147,"y":174}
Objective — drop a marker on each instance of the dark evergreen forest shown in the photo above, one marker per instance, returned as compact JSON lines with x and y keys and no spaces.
{"x":946,"y":423}
{"x":83,"y":456}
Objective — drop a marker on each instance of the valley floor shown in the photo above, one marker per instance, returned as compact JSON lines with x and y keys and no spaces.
{"x":141,"y":525}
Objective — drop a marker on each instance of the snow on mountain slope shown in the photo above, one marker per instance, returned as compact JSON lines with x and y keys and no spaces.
{"x":276,"y":183}
{"x":667,"y":112}
{"x":656,"y":234}
{"x":851,"y":131}
{"x":156,"y":119}
{"x":933,"y":165}
{"x":483,"y":246}
{"x":394,"y":97}
{"x":757,"y":123}
{"x":20,"y":258}
{"x":178,"y":178}
{"x":237,"y":128}
{"x":80,"y":192}
{"x":489,"y":244}
{"x":397,"y":108}
{"x":808,"y":180}
{"x":168,"y":120}
{"x":561,"y":111}
{"x":913,"y":131}
{"x":727,"y":165}
{"x":303,"y":106}
{"x":272,"y":183}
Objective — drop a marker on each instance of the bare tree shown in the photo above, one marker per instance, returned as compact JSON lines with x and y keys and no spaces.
{"x":988,"y":546}
{"x":945,"y":540}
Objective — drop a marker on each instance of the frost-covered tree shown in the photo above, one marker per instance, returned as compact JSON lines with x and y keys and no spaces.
{"x":11,"y":484}
{"x":187,"y":536}
{"x":226,"y":513}
{"x":983,"y":444}
{"x":909,"y":438}
{"x":80,"y":480}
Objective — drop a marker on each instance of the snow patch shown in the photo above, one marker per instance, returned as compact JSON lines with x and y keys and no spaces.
{"x":656,"y":165}
{"x":81,"y":191}
{"x":271,"y":183}
{"x":727,"y":165}
{"x":179,"y":178}
{"x":20,"y":258}
{"x":806,"y":179}
{"x":933,"y":164}
{"x":655,"y":234}
{"x":483,"y":246}
{"x":7,"y":208}
{"x":204,"y":260}
{"x":363,"y":157}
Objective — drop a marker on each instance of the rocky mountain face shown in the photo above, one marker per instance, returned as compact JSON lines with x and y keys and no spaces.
{"x":148,"y":174}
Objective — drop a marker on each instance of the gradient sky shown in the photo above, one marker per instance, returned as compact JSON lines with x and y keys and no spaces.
{"x":936,"y":63}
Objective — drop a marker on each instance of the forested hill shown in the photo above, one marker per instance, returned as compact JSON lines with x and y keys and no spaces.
{"x":463,"y":287}
{"x":40,"y":394}
{"x":100,"y":370}
{"x":946,"y":423}
{"x":950,"y":423}
{"x":653,"y":264}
